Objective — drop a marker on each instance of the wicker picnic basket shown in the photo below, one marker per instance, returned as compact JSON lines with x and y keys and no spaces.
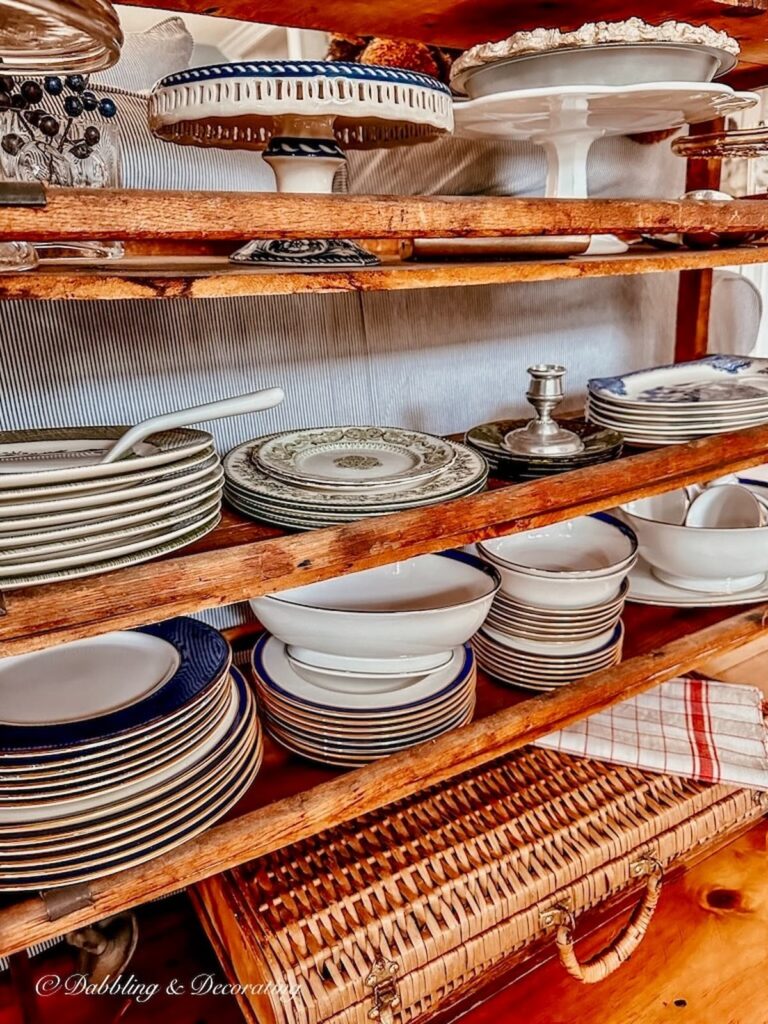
{"x":391,"y":915}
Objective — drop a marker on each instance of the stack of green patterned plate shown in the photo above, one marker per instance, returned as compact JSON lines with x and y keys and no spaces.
{"x":305,"y":479}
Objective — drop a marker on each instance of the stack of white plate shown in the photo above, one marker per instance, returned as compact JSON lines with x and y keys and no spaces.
{"x":545,"y":664}
{"x":63,"y":514}
{"x":116,"y":749}
{"x":557,"y":616}
{"x":305,"y":479}
{"x":345,"y":718}
{"x":515,"y":619}
{"x":673,"y":404}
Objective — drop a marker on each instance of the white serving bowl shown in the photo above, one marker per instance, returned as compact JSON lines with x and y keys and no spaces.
{"x":718,"y":561}
{"x":423,"y":606}
{"x":573,"y":564}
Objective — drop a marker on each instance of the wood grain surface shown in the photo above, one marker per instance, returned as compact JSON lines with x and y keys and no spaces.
{"x":216,"y":216}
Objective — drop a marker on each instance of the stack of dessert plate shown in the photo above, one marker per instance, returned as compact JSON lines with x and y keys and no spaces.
{"x":64,"y":514}
{"x":673,"y":404}
{"x":116,"y":749}
{"x":600,"y":445}
{"x":305,"y":479}
{"x":348,"y":719}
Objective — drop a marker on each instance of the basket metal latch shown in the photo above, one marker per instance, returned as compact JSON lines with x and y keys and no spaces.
{"x":382,"y":980}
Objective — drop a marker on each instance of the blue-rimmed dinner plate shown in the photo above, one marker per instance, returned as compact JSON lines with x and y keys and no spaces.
{"x":91,"y":691}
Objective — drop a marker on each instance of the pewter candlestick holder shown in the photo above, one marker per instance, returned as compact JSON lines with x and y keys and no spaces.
{"x":542,"y":435}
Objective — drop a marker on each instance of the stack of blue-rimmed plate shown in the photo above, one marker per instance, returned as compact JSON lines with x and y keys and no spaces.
{"x":674,"y":404}
{"x":65,"y":514}
{"x":336,"y":721}
{"x":116,"y":749}
{"x":305,"y":479}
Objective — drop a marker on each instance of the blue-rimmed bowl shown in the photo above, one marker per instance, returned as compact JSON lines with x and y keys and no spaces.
{"x":572,"y":564}
{"x":423,"y":606}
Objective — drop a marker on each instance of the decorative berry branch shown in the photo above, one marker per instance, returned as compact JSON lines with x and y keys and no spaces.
{"x":24,"y":99}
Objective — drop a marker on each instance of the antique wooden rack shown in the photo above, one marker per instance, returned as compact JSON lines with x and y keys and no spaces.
{"x":174,"y":242}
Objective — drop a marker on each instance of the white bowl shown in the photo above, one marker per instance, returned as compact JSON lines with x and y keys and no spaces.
{"x":697,"y":558}
{"x":417,"y":665}
{"x":573,"y":564}
{"x":424,"y":606}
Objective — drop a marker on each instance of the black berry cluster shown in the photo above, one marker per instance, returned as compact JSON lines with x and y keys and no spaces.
{"x":24,"y":98}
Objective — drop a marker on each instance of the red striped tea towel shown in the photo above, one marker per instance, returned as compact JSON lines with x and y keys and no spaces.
{"x":696,"y":727}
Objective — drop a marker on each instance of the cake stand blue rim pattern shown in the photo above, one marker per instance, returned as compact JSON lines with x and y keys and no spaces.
{"x":257,"y":662}
{"x":304,"y":69}
{"x":204,"y":658}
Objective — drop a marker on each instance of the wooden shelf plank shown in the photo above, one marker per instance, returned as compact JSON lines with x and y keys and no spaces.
{"x":200,"y":277}
{"x":456,"y":23}
{"x":290,"y":801}
{"x":77,"y":214}
{"x":242,"y":559}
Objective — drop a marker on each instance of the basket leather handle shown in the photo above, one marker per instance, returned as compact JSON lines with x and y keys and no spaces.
{"x":624,"y":945}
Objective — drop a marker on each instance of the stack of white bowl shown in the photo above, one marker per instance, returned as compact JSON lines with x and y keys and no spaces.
{"x":370,"y":663}
{"x":557,"y":616}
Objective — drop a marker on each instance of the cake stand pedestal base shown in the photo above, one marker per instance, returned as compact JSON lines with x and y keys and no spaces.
{"x":306,"y":254}
{"x":305,"y":163}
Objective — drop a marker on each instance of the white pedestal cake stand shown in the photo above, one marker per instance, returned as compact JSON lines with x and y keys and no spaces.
{"x":567,"y":120}
{"x":303,"y":115}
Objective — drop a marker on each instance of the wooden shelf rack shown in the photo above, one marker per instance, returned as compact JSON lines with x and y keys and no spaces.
{"x":242,"y":559}
{"x":214,"y":277}
{"x":290,"y":800}
{"x":123,"y":214}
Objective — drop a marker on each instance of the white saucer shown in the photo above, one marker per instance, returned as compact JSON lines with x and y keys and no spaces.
{"x":645,"y":588}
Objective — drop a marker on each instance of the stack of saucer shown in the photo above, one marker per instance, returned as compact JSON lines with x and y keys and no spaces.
{"x":347,"y":718}
{"x":65,"y":514}
{"x":600,"y":445}
{"x":305,"y":479}
{"x":557,"y":615}
{"x":114,"y":750}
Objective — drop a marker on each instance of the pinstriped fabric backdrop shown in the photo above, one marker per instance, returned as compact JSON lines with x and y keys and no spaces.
{"x":438,"y":360}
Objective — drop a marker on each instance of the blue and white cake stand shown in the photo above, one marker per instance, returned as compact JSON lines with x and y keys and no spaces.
{"x":303,"y":115}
